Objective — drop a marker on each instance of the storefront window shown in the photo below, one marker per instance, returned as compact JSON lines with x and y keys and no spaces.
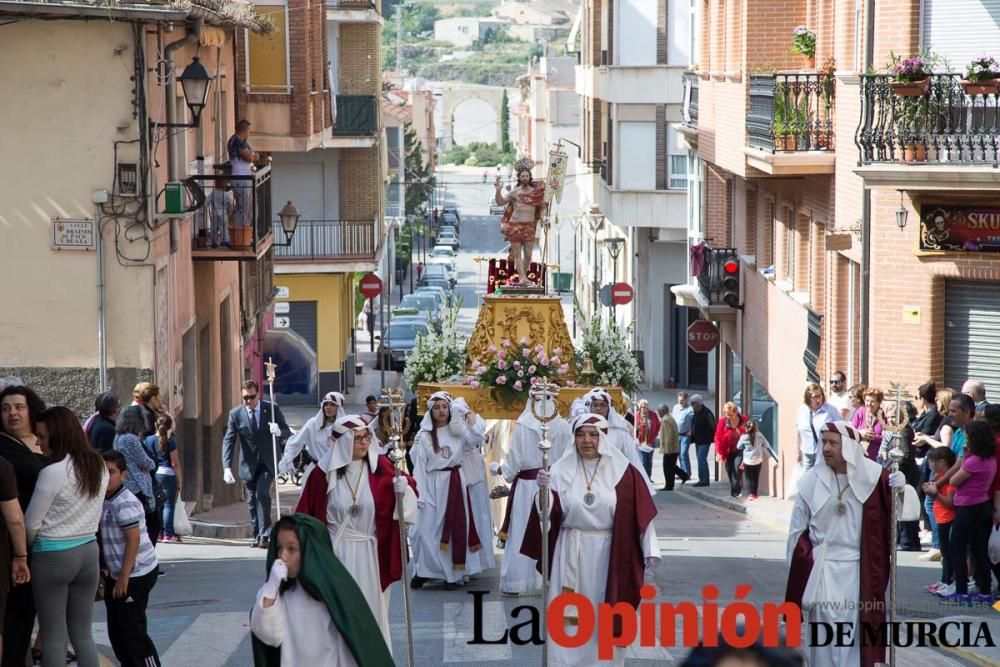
{"x":764,"y":410}
{"x":734,"y":373}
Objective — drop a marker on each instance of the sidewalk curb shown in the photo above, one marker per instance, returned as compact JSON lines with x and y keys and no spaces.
{"x":226,"y":531}
{"x":711,"y":500}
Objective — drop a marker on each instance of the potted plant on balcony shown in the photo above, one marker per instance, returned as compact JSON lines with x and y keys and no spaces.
{"x":804,"y":43}
{"x":911,"y":128}
{"x":912,"y":76}
{"x":201,"y":241}
{"x":982,"y":76}
{"x":789,"y":124}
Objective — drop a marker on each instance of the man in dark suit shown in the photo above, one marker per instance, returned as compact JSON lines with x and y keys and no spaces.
{"x":254,"y":422}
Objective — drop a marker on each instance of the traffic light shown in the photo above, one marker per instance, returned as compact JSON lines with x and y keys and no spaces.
{"x":731,"y":281}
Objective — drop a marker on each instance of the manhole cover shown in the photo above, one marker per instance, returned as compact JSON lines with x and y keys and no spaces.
{"x":181,"y":603}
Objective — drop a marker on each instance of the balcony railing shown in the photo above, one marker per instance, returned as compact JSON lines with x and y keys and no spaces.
{"x":691,"y":99}
{"x":234,"y":220}
{"x":330,"y":240}
{"x":710,"y":278}
{"x":350,"y":4}
{"x":791,"y":112}
{"x":356,"y":116}
{"x":944,"y":125}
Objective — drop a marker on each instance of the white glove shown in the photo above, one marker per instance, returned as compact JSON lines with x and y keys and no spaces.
{"x":275,"y":429}
{"x":284,"y":466}
{"x":459,"y":408}
{"x":495,"y":468}
{"x":897,"y":480}
{"x":543,"y":479}
{"x":227,"y":476}
{"x":279,"y":572}
{"x":400,"y":485}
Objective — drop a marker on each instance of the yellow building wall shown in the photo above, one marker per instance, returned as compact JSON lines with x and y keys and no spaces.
{"x":334,"y":312}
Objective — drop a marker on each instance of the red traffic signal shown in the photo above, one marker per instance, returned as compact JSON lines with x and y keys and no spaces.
{"x":731,"y":266}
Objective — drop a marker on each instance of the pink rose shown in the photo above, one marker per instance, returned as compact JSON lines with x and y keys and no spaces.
{"x":562,"y":371}
{"x":518,"y":386}
{"x":502,"y":364}
{"x":505,"y":342}
{"x":474,"y":384}
{"x":557,"y":350}
{"x":517,"y":364}
{"x":524,"y":340}
{"x":520,"y":374}
{"x":525,"y":352}
{"x":555,"y":358}
{"x":570,"y":383}
{"x":539,"y":348}
{"x":543,"y":360}
{"x":501,"y":379}
{"x":475,"y":364}
{"x":535,"y":380}
{"x":481,"y":370}
{"x":532,"y":369}
{"x":492,"y":348}
{"x":501,"y":355}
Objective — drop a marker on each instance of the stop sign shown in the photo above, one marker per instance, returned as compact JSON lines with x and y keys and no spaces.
{"x":702,"y":336}
{"x":370,"y":286}
{"x":621,"y":293}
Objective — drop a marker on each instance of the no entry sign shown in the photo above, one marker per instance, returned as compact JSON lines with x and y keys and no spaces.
{"x":702,"y":336}
{"x":370,"y":286}
{"x":621,"y":293}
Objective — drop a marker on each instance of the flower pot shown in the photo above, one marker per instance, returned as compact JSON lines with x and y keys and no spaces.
{"x":201,"y":241}
{"x":911,"y":88}
{"x":785,"y":142}
{"x":240,"y":237}
{"x":810,"y":62}
{"x":914,"y":153}
{"x":987,"y":87}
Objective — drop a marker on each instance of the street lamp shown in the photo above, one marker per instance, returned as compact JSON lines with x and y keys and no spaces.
{"x":614,"y":246}
{"x":901,"y":213}
{"x":595,"y":219}
{"x":289,"y":217}
{"x":195,"y":82}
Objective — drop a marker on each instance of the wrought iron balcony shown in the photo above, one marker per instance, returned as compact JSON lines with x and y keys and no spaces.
{"x":233,"y":218}
{"x":350,"y":4}
{"x":710,"y":278}
{"x":330,"y":241}
{"x":356,"y":116}
{"x":690,"y":114}
{"x":945,"y":125}
{"x":791,"y":112}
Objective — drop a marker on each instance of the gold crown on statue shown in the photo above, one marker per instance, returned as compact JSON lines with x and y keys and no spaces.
{"x":524,"y":164}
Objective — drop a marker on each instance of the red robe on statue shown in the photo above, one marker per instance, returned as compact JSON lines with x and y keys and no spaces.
{"x":874,"y":566}
{"x":313,"y":502}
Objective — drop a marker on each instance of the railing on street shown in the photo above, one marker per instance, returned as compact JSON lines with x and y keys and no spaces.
{"x":318,"y":240}
{"x":691,"y":99}
{"x":710,"y":278}
{"x":234,"y":215}
{"x":791,"y":112}
{"x":947,"y":124}
{"x":356,"y":115}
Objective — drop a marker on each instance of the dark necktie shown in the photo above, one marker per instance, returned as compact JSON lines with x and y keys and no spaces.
{"x":253,"y":421}
{"x":812,"y":425}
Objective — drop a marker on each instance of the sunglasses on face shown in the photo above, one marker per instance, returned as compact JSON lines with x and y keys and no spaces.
{"x":836,"y":382}
{"x":249,"y":398}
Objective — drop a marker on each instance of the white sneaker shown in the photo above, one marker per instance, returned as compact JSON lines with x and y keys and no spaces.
{"x":926,"y":538}
{"x":946,"y":591}
{"x":973,"y":589}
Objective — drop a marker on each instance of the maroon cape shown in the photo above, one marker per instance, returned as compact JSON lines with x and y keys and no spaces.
{"x":633,"y":513}
{"x":390,"y":558}
{"x":875,"y":543}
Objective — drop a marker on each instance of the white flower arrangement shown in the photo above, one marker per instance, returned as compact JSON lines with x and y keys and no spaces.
{"x":437,"y":357}
{"x":608,"y":349}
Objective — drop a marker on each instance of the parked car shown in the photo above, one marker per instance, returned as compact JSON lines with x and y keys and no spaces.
{"x":421,"y":302}
{"x":449,"y":239}
{"x":449,"y":264}
{"x":449,"y":217}
{"x":442,"y":290}
{"x":445,"y":251}
{"x":432,"y":271}
{"x":439,"y":297}
{"x":446,"y":229}
{"x":397,"y":340}
{"x":439,"y":283}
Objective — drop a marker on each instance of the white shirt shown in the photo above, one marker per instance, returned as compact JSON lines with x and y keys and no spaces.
{"x":57,"y":509}
{"x":809,"y":435}
{"x":842,"y":402}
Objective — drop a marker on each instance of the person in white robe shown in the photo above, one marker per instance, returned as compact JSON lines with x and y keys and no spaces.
{"x":316,"y":435}
{"x":586,"y":482}
{"x":598,"y":401}
{"x":444,"y":546}
{"x":477,"y":491}
{"x":830,"y":505}
{"x":518,"y":573}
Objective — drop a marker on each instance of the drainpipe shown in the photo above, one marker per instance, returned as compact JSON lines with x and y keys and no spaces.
{"x":102,"y":336}
{"x":173,"y":169}
{"x":866,"y":218}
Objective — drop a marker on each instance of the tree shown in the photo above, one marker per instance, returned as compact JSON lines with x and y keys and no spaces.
{"x":505,"y":146}
{"x":419,"y":178}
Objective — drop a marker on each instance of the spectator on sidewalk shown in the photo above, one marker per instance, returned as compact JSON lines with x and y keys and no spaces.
{"x":908,"y":532}
{"x":942,"y":437}
{"x":670,"y":444}
{"x":129,"y":568}
{"x":869,"y":421}
{"x":857,"y":393}
{"x":167,"y":475}
{"x":682,"y":414}
{"x":102,"y":429}
{"x":840,"y":397}
{"x":702,"y":433}
{"x":729,"y":430}
{"x":753,"y":444}
{"x":976,"y":390}
{"x":941,"y":460}
{"x":646,"y":431}
{"x":129,"y":441}
{"x":813,"y":415}
{"x":146,"y":395}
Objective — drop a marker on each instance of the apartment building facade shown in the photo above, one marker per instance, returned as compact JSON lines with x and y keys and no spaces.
{"x":312,"y":93}
{"x":629,"y":78}
{"x":861,"y":217}
{"x":118,"y":279}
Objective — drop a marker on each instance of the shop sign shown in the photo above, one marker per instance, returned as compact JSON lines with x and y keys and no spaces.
{"x":960,"y":228}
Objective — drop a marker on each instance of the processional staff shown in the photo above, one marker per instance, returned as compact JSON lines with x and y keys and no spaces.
{"x":543,"y":392}
{"x":395,"y":424}
{"x":270,"y":367}
{"x":893,"y":430}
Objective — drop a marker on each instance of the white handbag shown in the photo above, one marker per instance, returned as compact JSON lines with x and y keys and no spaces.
{"x":910,"y":511}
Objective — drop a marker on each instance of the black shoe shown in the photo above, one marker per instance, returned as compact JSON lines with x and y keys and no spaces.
{"x":263,"y":543}
{"x":255,"y":544}
{"x":451,"y":585}
{"x":700,"y":484}
{"x":417,"y":582}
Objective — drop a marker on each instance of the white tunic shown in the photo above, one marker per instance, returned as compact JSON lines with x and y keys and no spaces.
{"x":583,"y":552}
{"x":315,"y":436}
{"x":433,"y":479}
{"x":302,"y":627}
{"x":834,"y":580}
{"x":517,"y":572}
{"x":353,"y":538}
{"x":474,"y":469}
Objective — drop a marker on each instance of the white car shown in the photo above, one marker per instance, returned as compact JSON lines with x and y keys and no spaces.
{"x":443,"y":251}
{"x":448,"y":238}
{"x":449,"y":265}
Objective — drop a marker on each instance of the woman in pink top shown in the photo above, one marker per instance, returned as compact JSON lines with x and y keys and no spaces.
{"x":970,"y":531}
{"x":868,"y":421}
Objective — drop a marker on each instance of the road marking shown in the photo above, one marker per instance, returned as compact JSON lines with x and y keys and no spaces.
{"x":209,"y":641}
{"x":458,"y":631}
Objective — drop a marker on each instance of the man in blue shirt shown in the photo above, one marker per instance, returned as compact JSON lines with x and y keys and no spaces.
{"x":682,"y":414}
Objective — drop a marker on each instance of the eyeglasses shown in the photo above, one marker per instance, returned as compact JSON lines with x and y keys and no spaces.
{"x":836,"y":382}
{"x":249,"y":398}
{"x":362,"y":438}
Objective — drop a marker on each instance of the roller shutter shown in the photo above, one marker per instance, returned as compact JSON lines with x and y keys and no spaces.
{"x":959,"y":30}
{"x":972,"y":335}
